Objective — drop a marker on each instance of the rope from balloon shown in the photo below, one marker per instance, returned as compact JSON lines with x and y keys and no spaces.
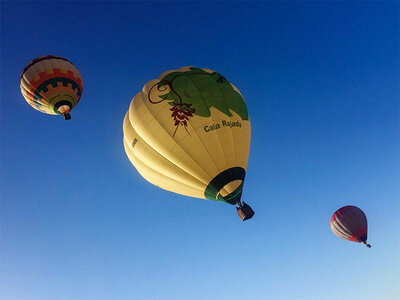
{"x":365,"y":243}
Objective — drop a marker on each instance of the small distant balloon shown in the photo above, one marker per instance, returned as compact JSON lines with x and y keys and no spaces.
{"x":52,"y":85}
{"x":350,"y":223}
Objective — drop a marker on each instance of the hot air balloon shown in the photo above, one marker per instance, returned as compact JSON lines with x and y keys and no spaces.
{"x":188,"y":132}
{"x":350,"y":223}
{"x":51,"y":84}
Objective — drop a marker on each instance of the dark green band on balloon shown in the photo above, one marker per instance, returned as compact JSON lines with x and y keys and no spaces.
{"x":222,"y":179}
{"x":61,"y":103}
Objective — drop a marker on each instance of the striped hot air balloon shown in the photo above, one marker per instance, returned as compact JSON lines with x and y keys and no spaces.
{"x":52,"y":85}
{"x":350,"y":223}
{"x":189,"y":132}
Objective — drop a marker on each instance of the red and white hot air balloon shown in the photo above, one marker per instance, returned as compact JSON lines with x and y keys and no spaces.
{"x":350,"y":223}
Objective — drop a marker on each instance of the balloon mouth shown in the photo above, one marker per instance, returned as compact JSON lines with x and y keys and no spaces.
{"x":229,"y":188}
{"x":233,"y":197}
{"x":218,"y":186}
{"x":62,"y":107}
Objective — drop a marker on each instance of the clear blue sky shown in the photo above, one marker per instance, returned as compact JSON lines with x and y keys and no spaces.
{"x":321,"y":82}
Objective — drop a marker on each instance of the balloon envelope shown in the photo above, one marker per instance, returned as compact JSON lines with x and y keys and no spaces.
{"x":189,"y":132}
{"x":350,"y":223}
{"x":51,"y":84}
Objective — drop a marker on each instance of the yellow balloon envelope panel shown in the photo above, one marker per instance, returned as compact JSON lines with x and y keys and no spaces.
{"x":52,"y":85}
{"x":188,"y":132}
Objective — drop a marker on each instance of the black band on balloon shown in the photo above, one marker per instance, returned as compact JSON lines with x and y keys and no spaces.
{"x":222,"y":179}
{"x":54,"y":83}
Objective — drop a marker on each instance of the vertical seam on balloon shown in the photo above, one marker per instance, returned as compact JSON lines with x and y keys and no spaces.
{"x":230,"y":118}
{"x":165,"y":159}
{"x":52,"y":66}
{"x":358,"y":216}
{"x":163,"y":174}
{"x":338,"y":228}
{"x":184,"y":171}
{"x":71,"y":68}
{"x":353,"y":220}
{"x":26,"y":84}
{"x":145,"y":104}
{"x":341,"y":221}
{"x":231,"y":130}
{"x":219,"y":140}
{"x":357,"y":213}
{"x":42,"y":102}
{"x":158,"y":174}
{"x":343,"y":225}
{"x":48,"y":65}
{"x":194,"y":129}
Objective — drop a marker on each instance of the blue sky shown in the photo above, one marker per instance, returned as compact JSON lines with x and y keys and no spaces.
{"x":321,"y":82}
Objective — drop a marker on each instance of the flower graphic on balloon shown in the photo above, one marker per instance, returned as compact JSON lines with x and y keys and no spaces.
{"x":181,"y":114}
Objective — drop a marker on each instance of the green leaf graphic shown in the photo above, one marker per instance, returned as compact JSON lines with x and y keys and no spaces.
{"x":203,"y":90}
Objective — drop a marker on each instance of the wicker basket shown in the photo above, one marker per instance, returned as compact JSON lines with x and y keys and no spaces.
{"x":245,"y":212}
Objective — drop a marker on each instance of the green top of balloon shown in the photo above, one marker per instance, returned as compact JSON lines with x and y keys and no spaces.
{"x":196,"y":91}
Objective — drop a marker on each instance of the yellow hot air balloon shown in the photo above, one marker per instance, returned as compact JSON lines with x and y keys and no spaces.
{"x":51,"y":84}
{"x":188,"y":132}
